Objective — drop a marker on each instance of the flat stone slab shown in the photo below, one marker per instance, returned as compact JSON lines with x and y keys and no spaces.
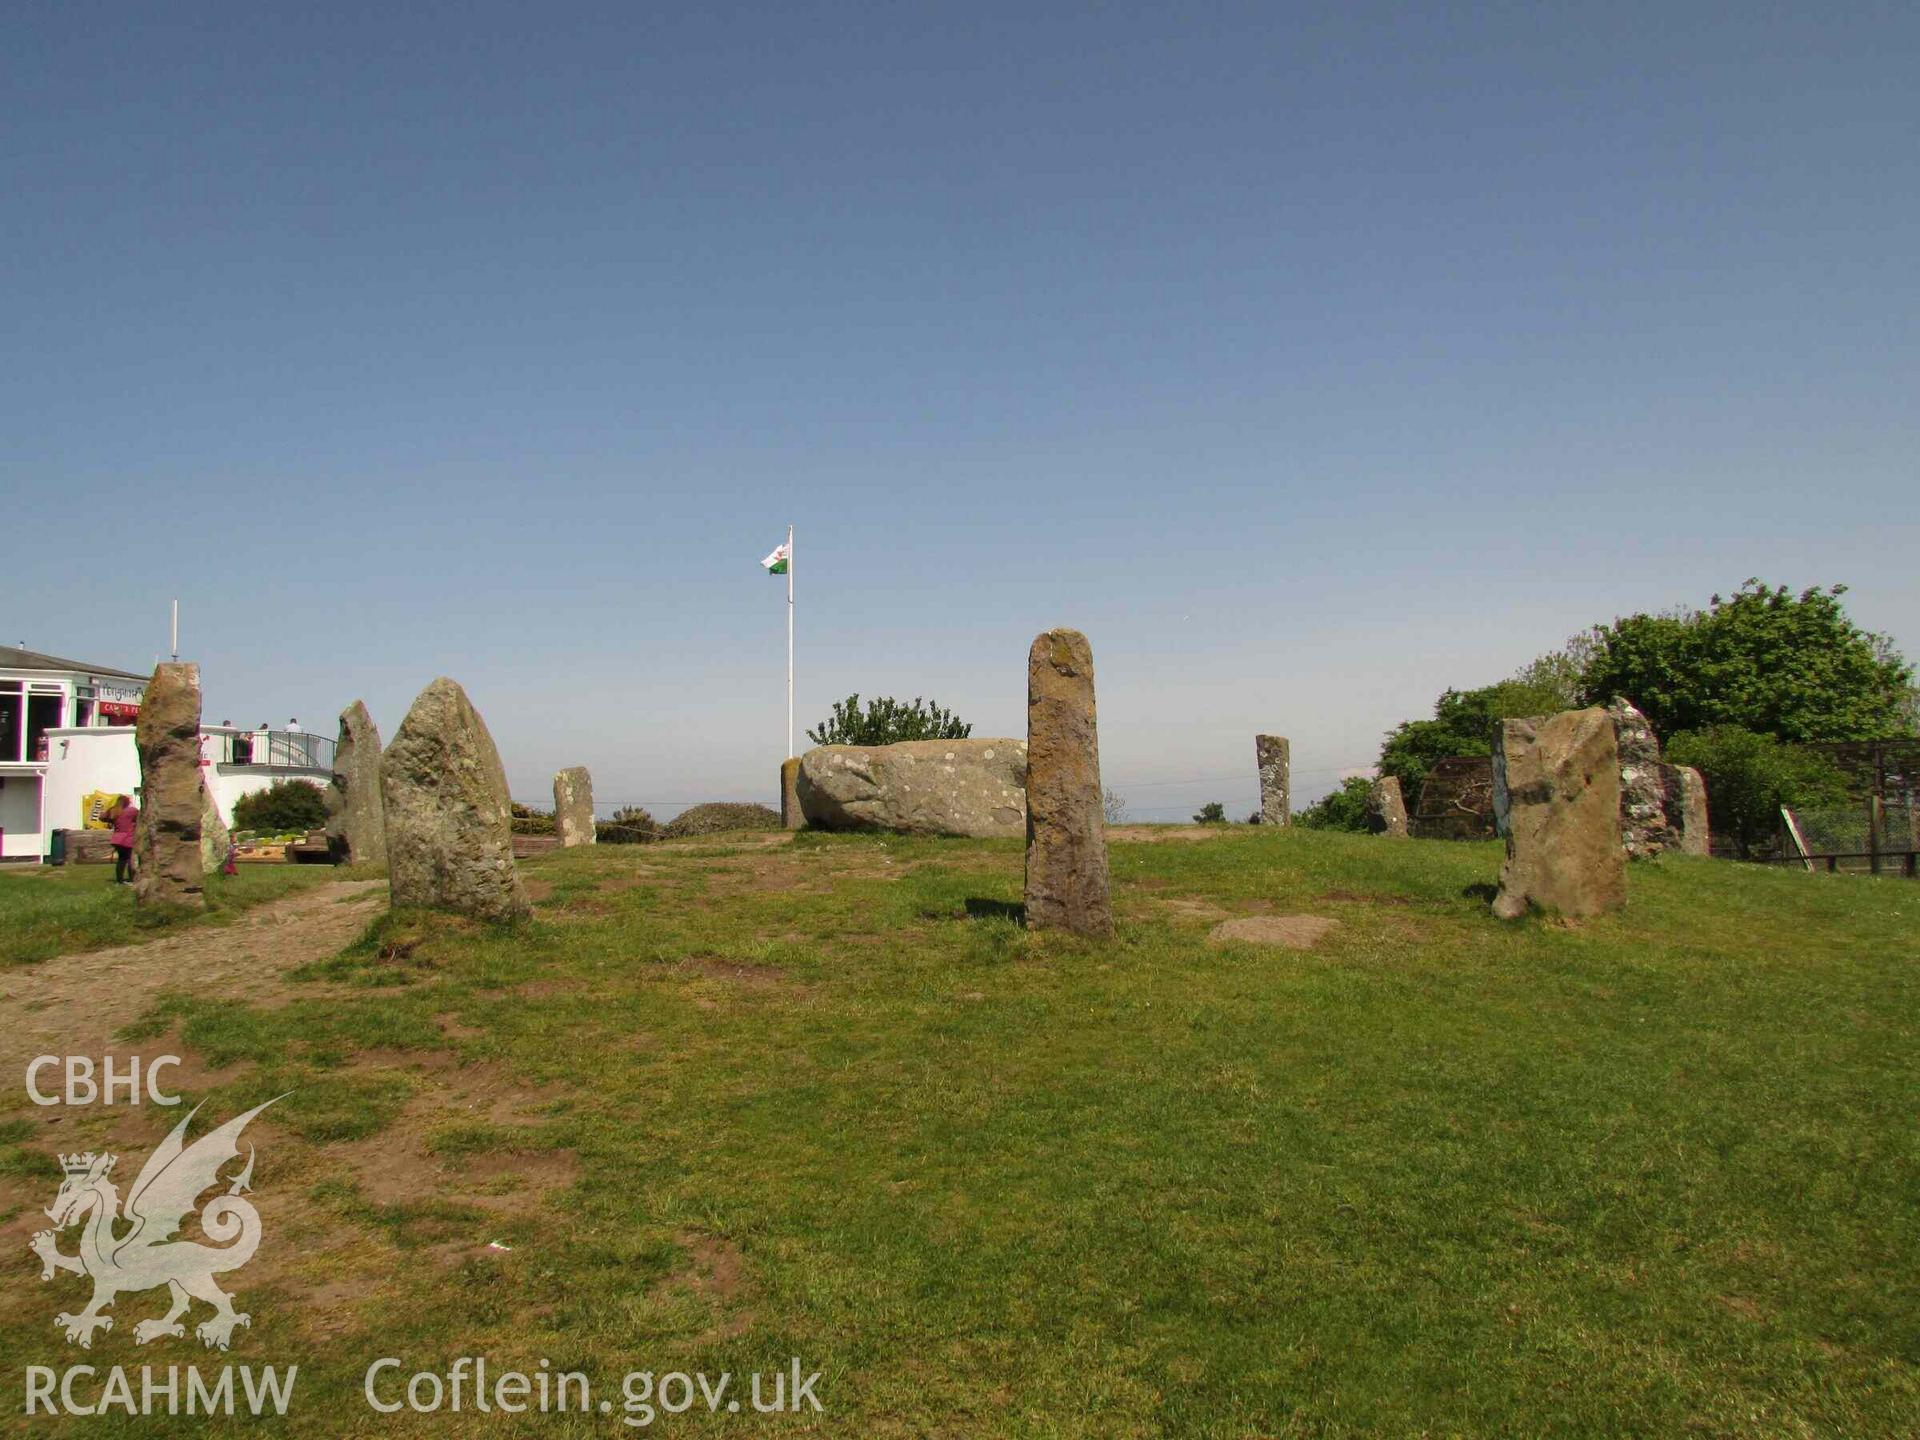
{"x":1289,"y":932}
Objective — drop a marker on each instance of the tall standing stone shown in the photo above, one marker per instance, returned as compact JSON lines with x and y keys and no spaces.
{"x":1387,"y":808}
{"x":1273,"y":755}
{"x":356,"y":810}
{"x":792,"y":815}
{"x":167,"y":736}
{"x":1556,"y":790}
{"x":449,"y":816}
{"x":573,"y":807}
{"x":215,"y":839}
{"x":1695,"y":836}
{"x":1067,"y":883}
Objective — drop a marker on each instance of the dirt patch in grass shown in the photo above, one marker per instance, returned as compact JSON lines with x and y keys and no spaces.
{"x":72,"y":1005}
{"x":775,"y":869}
{"x":740,"y":973}
{"x":1162,"y":834}
{"x":1291,"y":932}
{"x":1187,"y":908}
{"x":399,"y":1163}
{"x":547,"y":989}
{"x":713,"y":1277}
{"x":634,"y":879}
{"x":451,"y":1027}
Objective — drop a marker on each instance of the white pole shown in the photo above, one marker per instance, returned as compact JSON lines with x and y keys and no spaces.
{"x":789,"y":642}
{"x":176,"y":629}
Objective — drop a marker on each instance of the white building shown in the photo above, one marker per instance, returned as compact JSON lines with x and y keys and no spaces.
{"x":66,"y":732}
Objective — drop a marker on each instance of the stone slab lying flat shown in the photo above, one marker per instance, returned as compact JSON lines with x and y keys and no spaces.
{"x":1290,"y":932}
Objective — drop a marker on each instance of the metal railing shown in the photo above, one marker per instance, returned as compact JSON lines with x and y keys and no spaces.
{"x":288,"y":749}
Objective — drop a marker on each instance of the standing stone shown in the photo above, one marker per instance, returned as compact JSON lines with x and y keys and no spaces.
{"x":573,"y":807}
{"x":215,"y":839}
{"x":1556,"y":794}
{"x":1695,"y":838}
{"x":1645,"y":829}
{"x":1273,"y":755}
{"x":167,"y":840}
{"x":449,"y":816}
{"x":356,"y":811}
{"x":1387,"y":808}
{"x":1067,"y":885}
{"x":792,"y":816}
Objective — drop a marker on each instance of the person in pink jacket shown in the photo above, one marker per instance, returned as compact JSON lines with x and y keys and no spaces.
{"x":123,"y":815}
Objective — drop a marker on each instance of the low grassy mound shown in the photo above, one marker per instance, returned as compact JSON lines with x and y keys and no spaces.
{"x":714,"y":819}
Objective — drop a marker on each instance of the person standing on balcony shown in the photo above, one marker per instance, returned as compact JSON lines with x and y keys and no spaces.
{"x":122,"y":816}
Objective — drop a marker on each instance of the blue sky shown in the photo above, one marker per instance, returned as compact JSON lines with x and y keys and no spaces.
{"x":1308,"y":358}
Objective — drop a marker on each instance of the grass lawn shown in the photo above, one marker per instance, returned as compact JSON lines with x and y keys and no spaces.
{"x":48,"y":910}
{"x":732,"y":1102}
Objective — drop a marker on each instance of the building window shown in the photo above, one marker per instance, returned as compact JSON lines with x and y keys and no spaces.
{"x":44,"y":712}
{"x":13,"y":727}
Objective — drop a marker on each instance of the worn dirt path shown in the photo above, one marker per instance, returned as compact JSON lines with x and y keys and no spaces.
{"x":72,"y":1005}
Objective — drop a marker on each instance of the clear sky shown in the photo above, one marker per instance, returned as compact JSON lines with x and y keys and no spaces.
{"x":1309,"y":359}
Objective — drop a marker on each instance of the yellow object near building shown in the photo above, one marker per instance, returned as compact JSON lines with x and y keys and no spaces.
{"x":93,"y":809}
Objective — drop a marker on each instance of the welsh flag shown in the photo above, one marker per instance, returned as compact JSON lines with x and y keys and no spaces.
{"x":776,"y":563}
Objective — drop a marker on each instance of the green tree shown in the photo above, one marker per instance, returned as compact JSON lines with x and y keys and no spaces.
{"x":1211,"y":813}
{"x":886,"y":721}
{"x":286,"y":807}
{"x":1750,"y":776}
{"x":1792,"y":666}
{"x":1342,"y":809}
{"x":1462,"y":724}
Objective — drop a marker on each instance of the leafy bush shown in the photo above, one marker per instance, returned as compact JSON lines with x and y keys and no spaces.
{"x":283,"y":808}
{"x":529,"y":821}
{"x":1749,"y":777}
{"x":712,"y":819}
{"x":887,"y":721}
{"x":1211,"y":813}
{"x":1342,"y":809}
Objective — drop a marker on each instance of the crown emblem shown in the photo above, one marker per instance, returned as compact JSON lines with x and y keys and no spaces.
{"x":83,"y":1164}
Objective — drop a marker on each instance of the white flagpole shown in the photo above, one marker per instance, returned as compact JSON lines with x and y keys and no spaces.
{"x":789,"y":642}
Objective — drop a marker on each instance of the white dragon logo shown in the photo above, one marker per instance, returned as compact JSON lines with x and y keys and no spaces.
{"x":146,"y":1255}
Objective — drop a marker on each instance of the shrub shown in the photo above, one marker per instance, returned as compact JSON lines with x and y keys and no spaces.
{"x":1750,"y":776}
{"x":1211,"y":813}
{"x":886,"y":721}
{"x":1342,"y":809}
{"x":285,"y":807}
{"x":529,"y":821}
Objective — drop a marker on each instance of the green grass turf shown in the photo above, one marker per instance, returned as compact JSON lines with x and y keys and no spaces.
{"x":1655,"y":1174}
